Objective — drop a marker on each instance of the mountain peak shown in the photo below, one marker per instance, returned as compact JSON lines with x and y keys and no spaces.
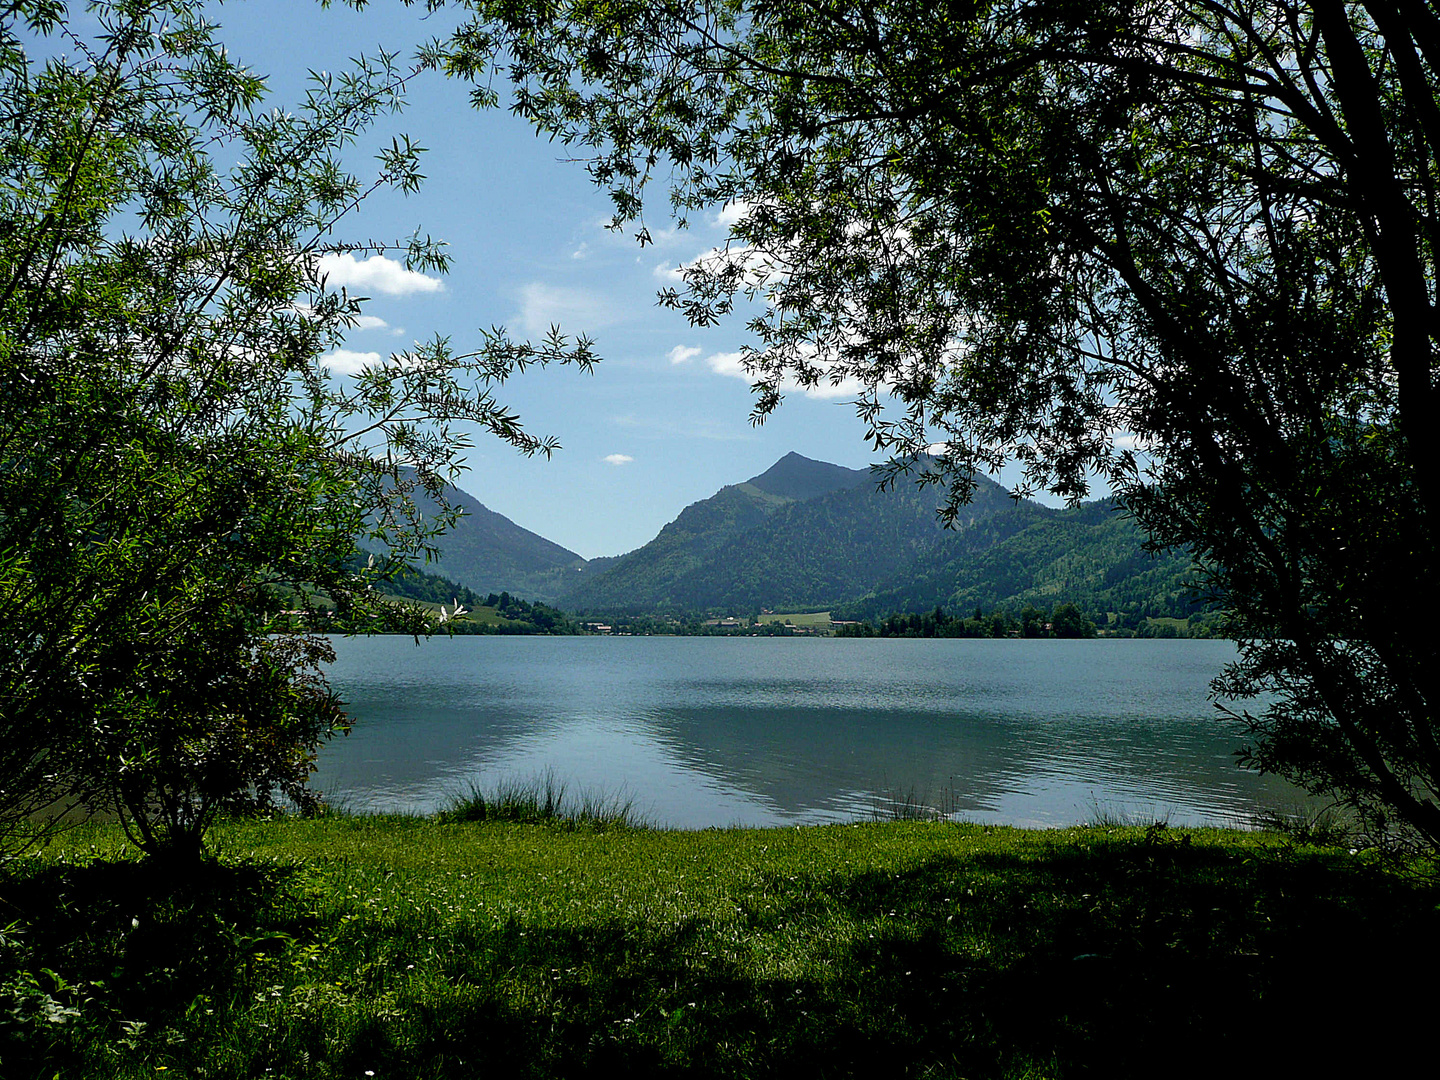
{"x":800,"y":478}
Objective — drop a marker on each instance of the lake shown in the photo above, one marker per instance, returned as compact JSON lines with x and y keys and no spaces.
{"x":777,"y":731}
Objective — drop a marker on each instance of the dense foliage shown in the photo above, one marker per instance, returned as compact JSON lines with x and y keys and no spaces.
{"x":176,"y":461}
{"x":1190,"y":245}
{"x":1067,"y":621}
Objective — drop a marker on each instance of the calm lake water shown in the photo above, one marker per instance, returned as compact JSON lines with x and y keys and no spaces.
{"x":772,"y":731}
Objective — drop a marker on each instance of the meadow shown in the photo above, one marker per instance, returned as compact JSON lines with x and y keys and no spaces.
{"x":814,"y":619}
{"x":410,"y":947}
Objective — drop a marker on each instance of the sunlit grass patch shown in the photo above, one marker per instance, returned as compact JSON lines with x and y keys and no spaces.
{"x":813,"y":619}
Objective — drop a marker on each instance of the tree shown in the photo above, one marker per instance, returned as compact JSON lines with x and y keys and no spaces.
{"x":1068,"y":621}
{"x":1186,"y":246}
{"x":177,"y":464}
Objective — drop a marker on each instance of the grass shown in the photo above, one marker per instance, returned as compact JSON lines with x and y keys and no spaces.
{"x":542,"y":801}
{"x":813,"y":618}
{"x":1324,"y":826}
{"x":913,"y":804}
{"x":421,"y":948}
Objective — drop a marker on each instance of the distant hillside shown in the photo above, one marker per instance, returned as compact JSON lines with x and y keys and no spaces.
{"x":809,"y":535}
{"x":1091,"y":556}
{"x":832,"y":549}
{"x":651,"y":577}
{"x":487,"y":552}
{"x":492,"y":614}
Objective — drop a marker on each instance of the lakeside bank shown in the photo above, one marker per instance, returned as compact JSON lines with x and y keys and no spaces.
{"x":409,"y":947}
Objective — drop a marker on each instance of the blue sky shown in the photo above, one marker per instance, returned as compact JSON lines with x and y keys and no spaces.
{"x":663,"y":421}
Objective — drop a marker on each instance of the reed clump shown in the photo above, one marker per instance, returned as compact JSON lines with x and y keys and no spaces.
{"x":542,"y":800}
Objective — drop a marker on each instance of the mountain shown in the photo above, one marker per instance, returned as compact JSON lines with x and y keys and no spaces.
{"x":808,"y":535}
{"x":800,"y":478}
{"x":831,"y":549}
{"x":487,"y":552}
{"x":653,"y":577}
{"x":1091,"y":555}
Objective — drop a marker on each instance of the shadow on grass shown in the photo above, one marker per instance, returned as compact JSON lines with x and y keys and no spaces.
{"x":1113,"y":959}
{"x":111,"y":950}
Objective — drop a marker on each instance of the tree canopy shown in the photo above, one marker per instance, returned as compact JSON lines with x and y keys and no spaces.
{"x":177,"y":464}
{"x":1187,"y":247}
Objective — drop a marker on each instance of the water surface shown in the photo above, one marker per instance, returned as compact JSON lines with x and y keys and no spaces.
{"x":771,"y":731}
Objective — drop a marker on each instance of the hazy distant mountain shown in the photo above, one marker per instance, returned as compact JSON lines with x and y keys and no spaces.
{"x":487,"y":552}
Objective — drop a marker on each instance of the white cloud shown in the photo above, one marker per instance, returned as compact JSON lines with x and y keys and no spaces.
{"x":370,"y":322}
{"x":680,"y":353}
{"x":1131,"y":441}
{"x":347,"y":362}
{"x":581,"y":251}
{"x":730,"y":214}
{"x":727,"y":363}
{"x":730,"y":364}
{"x":375,"y":274}
{"x":619,"y":459}
{"x":543,"y":306}
{"x":755,"y":268}
{"x":827,"y":391}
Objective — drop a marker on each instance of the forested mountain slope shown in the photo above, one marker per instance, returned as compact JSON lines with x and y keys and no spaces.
{"x":652,"y":578}
{"x":835,"y":548}
{"x":809,"y":535}
{"x":488,"y":552}
{"x":805,"y":535}
{"x":1091,"y":556}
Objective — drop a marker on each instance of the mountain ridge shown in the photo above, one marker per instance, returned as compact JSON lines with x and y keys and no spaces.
{"x":800,"y":478}
{"x":651,"y":578}
{"x":811,"y":535}
{"x":487,"y":552}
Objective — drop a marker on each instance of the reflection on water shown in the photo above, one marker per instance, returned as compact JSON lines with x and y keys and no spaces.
{"x":767,"y":731}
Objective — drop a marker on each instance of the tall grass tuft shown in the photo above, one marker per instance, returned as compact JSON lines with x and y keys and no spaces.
{"x":1324,"y":826}
{"x":541,"y":800}
{"x":1107,"y":817}
{"x":914,"y":804}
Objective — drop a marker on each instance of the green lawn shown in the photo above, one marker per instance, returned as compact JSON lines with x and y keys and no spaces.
{"x":408,"y":948}
{"x":812,"y":618}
